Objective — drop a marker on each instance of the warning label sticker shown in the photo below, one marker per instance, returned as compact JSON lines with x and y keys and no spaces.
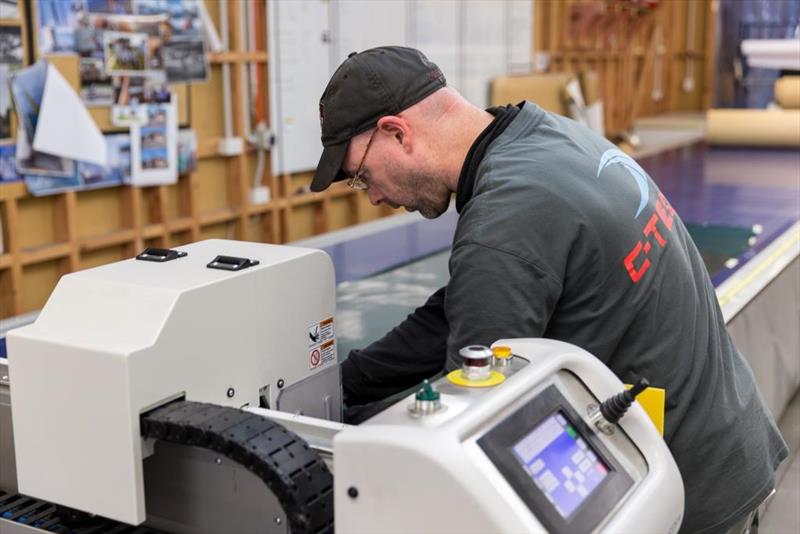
{"x":320,"y":332}
{"x":321,"y":355}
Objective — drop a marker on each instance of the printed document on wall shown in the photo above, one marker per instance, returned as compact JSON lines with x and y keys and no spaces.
{"x":65,"y":128}
{"x":299,"y":69}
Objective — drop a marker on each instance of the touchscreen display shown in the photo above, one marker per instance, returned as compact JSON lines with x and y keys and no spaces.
{"x":560,"y":462}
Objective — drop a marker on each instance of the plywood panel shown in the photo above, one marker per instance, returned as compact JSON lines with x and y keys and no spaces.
{"x":369,"y":212}
{"x":340,"y":213}
{"x":180,"y":238}
{"x":38,"y":282}
{"x":6,"y":294}
{"x":212,"y":187}
{"x":207,"y":106}
{"x":173,"y":202}
{"x":36,"y":221}
{"x":302,"y":222}
{"x":218,"y":231}
{"x":99,"y":211}
{"x":103,"y":256}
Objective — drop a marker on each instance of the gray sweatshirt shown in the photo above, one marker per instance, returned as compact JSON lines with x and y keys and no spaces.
{"x":563,"y":236}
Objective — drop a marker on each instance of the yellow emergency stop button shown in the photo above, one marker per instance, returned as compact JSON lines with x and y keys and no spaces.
{"x":502,"y":352}
{"x":457,"y":377}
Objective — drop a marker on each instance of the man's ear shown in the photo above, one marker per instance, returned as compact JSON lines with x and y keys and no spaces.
{"x":398,"y":128}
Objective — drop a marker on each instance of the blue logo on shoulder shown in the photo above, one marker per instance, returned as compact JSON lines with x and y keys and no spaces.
{"x":614,"y":155}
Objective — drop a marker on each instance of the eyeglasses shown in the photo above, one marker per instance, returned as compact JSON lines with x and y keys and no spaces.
{"x":356,"y":181}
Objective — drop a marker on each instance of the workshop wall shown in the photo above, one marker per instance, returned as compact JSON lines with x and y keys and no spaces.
{"x":642,"y":52}
{"x":650,"y":56}
{"x":43,"y":238}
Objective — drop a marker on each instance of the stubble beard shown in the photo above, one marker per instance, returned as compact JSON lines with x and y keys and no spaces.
{"x":429,"y":196}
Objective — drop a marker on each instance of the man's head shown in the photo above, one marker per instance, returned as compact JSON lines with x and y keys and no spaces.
{"x":373,"y":115}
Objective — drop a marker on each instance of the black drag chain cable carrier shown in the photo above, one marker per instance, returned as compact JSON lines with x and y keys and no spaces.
{"x":296,"y":474}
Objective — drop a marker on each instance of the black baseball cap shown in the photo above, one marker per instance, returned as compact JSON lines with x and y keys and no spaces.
{"x":367,"y":86}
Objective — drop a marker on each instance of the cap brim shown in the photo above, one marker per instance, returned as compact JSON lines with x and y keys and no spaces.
{"x":329,"y":169}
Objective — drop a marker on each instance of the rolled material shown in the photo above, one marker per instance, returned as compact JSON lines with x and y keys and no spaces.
{"x":753,"y":127}
{"x":787,"y":92}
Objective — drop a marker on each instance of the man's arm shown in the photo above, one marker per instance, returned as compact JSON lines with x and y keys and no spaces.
{"x":410,"y":352}
{"x":496,"y":294}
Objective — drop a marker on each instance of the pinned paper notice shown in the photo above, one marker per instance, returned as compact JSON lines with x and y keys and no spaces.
{"x":65,"y":128}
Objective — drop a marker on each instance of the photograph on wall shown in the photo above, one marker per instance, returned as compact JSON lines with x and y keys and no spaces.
{"x":58,"y":20}
{"x":153,"y":139}
{"x":126,"y":53}
{"x":117,"y":170}
{"x":87,"y":175}
{"x":132,"y":90}
{"x":184,"y":15}
{"x":96,"y":86}
{"x":27,"y":90}
{"x":9,"y":9}
{"x":92,"y":27}
{"x":110,"y":7}
{"x":187,"y":151}
{"x":154,"y":146}
{"x":128,"y":115}
{"x":11,"y":45}
{"x":8,"y":162}
{"x":5,"y":101}
{"x":93,"y":176}
{"x":39,"y":185}
{"x":30,"y":161}
{"x":119,"y":157}
{"x":185,"y":61}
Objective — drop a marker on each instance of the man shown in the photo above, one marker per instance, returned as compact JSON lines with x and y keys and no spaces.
{"x":560,"y":235}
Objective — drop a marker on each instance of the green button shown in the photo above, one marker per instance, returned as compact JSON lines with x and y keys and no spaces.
{"x":426,"y":392}
{"x":571,"y":432}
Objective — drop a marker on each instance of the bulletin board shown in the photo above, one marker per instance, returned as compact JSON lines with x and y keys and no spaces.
{"x":310,"y":38}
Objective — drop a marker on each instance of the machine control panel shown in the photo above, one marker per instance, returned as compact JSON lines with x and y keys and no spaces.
{"x":556,"y":464}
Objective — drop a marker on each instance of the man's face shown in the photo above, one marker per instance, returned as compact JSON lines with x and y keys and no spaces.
{"x":398,"y":177}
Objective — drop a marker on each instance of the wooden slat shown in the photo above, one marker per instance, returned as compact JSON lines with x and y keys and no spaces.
{"x":181,"y":225}
{"x":307,"y":198}
{"x":13,"y":244}
{"x":13,"y":190}
{"x":118,"y":237}
{"x":217,"y":216}
{"x":5,"y":261}
{"x":71,"y":226}
{"x":237,"y":56}
{"x":255,"y":209}
{"x":45,"y":253}
{"x":709,"y":57}
{"x":154,"y":230}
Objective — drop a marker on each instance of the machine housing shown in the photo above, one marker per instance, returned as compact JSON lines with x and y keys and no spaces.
{"x":115,"y":341}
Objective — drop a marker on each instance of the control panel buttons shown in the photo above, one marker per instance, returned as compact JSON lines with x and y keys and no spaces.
{"x":502,"y":356}
{"x":426,"y":401}
{"x":476,"y":368}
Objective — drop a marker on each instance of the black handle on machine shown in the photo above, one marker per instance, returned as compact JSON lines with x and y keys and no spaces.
{"x":231,"y":263}
{"x":160,"y":254}
{"x":615,"y":407}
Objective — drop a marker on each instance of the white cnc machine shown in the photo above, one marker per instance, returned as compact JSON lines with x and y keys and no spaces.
{"x":198,"y":390}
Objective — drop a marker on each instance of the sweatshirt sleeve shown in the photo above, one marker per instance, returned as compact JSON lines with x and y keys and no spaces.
{"x":410,"y":352}
{"x":495,"y":294}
